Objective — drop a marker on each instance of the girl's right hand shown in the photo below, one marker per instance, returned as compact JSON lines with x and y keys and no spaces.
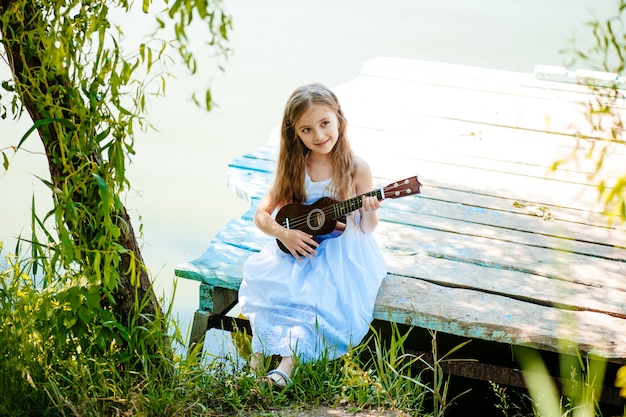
{"x":299,"y":243}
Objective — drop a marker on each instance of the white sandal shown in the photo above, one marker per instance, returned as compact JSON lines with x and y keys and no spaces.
{"x":279,"y":378}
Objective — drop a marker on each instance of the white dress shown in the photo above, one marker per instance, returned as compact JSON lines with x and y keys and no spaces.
{"x":316,"y":306}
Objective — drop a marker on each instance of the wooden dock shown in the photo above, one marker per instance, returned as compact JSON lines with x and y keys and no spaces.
{"x":498,"y":247}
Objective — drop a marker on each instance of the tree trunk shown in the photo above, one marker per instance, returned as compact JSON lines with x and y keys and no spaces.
{"x":31,"y":76}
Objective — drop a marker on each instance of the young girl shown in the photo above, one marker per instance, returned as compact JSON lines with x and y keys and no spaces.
{"x":318,"y":298}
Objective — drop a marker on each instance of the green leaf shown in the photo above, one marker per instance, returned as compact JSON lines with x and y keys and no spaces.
{"x":175,"y":7}
{"x":39,"y":123}
{"x":102,"y":135}
{"x":208,"y":100}
{"x":202,"y":8}
{"x":150,"y":60}
{"x":85,"y":315}
{"x":69,"y":321}
{"x":104,"y":190}
{"x":5,"y":161}
{"x":7,"y":86}
{"x":96,"y":264}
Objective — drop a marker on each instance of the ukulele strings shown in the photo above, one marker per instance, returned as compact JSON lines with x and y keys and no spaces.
{"x":298,"y":221}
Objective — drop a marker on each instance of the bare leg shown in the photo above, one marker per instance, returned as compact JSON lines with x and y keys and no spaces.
{"x":286,"y":365}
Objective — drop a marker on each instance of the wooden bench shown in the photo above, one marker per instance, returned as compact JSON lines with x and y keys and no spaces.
{"x":497,"y":247}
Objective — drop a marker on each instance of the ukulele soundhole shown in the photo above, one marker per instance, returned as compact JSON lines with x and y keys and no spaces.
{"x":315,"y":219}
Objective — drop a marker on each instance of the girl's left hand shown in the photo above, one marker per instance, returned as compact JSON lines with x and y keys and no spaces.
{"x":370,"y":204}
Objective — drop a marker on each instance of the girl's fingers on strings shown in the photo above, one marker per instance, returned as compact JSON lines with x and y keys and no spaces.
{"x":370,"y":203}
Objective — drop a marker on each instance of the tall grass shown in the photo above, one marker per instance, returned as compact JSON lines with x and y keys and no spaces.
{"x":580,"y":389}
{"x":147,"y":376}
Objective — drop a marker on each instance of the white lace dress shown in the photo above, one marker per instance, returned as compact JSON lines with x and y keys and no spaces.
{"x":317,"y":305}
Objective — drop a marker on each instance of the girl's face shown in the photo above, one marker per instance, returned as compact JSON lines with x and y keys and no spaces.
{"x":318,"y":128}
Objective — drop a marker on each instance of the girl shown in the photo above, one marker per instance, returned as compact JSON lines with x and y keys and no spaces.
{"x":318,"y":298}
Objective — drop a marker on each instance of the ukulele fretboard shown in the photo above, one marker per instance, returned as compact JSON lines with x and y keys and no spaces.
{"x":348,"y":206}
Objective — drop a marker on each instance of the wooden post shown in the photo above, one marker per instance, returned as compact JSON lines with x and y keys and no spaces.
{"x":213,"y":300}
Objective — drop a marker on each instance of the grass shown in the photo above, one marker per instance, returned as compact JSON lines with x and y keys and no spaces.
{"x":49,"y":370}
{"x":375,"y":375}
{"x":43,"y":373}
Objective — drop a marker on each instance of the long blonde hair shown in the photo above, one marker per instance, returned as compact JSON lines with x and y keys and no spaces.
{"x":289,"y":183}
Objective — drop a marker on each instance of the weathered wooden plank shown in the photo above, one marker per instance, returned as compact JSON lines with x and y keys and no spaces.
{"x":217,"y":299}
{"x":547,"y":191}
{"x":479,"y":78}
{"x":464,"y":138}
{"x":574,"y":222}
{"x":493,"y":225}
{"x":524,"y":215}
{"x":529,"y":160}
{"x":486,"y":96}
{"x":534,"y":161}
{"x":221,"y":264}
{"x":507,"y":283}
{"x":259,"y":162}
{"x":448,"y":103}
{"x":469,"y":313}
{"x":504,"y":254}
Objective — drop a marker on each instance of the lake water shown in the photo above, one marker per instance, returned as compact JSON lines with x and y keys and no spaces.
{"x":179,"y":189}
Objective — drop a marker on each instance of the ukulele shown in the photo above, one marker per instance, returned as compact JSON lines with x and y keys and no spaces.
{"x":326,"y":218}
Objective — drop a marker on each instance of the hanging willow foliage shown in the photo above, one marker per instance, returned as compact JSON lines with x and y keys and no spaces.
{"x":86,"y":97}
{"x":604,"y":110}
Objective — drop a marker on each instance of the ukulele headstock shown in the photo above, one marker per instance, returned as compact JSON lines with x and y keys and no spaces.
{"x":403,"y":188}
